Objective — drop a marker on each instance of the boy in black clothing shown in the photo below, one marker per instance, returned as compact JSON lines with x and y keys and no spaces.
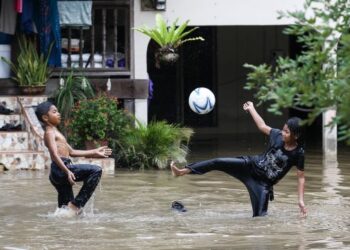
{"x":259,"y":173}
{"x":63,"y":173}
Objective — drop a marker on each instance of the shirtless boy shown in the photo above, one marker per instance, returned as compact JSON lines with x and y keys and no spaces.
{"x":64,"y":174}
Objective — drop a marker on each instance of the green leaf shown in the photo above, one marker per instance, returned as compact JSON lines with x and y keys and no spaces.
{"x":169,"y":37}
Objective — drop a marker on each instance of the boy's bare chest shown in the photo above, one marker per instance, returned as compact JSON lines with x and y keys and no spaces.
{"x":59,"y":137}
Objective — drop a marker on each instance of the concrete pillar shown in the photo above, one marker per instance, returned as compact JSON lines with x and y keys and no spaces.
{"x":332,"y":178}
{"x":329,"y":134}
{"x":141,"y":108}
{"x":129,"y":105}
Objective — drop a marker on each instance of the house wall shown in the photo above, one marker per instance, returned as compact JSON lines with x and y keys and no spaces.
{"x":237,"y":45}
{"x":248,"y":32}
{"x":208,"y":12}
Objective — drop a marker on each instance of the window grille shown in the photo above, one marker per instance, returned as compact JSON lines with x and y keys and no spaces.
{"x":104,"y":46}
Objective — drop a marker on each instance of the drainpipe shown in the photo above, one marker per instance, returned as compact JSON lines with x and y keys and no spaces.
{"x":329,"y":133}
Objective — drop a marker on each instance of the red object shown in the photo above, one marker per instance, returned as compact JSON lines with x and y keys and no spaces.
{"x":19,"y":6}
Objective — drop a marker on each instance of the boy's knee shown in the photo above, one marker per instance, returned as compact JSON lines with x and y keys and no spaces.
{"x":95,"y":169}
{"x":98,"y":170}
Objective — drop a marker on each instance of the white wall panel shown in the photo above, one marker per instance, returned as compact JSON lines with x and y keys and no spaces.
{"x":208,"y":13}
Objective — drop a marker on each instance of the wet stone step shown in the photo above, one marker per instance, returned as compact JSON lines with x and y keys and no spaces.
{"x":32,"y":100}
{"x":28,"y":160}
{"x":9,"y":102}
{"x":12,"y":141}
{"x":13,"y":119}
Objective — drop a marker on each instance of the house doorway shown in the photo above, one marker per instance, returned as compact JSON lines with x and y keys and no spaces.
{"x":172,"y":84}
{"x":217,"y":64}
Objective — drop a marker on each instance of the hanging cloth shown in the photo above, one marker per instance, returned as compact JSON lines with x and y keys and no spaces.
{"x":75,"y":13}
{"x":8,"y":17}
{"x":27,"y":17}
{"x":48,"y":25}
{"x":19,"y":6}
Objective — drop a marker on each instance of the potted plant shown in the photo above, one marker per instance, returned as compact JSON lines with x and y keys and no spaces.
{"x":30,"y":69}
{"x":168,"y":38}
{"x":97,"y":122}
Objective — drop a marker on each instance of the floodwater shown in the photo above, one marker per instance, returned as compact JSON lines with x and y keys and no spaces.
{"x":131,"y":209}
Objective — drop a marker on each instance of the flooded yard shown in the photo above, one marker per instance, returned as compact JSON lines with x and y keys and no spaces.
{"x":132,"y":210}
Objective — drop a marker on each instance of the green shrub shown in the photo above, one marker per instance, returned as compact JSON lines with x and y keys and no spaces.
{"x":98,"y":119}
{"x":153,"y":146}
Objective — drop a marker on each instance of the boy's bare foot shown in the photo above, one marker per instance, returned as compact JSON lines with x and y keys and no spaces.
{"x":65,"y":212}
{"x":178,"y":172}
{"x":74,"y":208}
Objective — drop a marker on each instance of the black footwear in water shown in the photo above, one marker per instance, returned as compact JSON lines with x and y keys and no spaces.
{"x":11,"y":127}
{"x":4,"y":110}
{"x":178,"y":206}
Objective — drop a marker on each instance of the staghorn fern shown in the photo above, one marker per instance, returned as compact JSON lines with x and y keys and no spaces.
{"x":172,"y":36}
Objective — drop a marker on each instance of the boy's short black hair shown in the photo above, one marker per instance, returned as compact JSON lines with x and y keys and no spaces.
{"x":294,"y":125}
{"x":42,"y":109}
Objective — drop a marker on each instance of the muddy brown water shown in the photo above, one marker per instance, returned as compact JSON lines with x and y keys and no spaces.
{"x":131,"y":209}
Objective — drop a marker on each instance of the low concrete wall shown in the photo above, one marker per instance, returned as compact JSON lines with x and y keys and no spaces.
{"x":134,"y":92}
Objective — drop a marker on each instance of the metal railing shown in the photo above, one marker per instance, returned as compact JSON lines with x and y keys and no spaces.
{"x":102,"y":47}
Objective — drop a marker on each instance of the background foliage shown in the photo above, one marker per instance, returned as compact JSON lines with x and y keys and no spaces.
{"x":97,"y":119}
{"x":319,"y":77}
{"x":152,"y":146}
{"x":134,"y":147}
{"x":74,"y":89}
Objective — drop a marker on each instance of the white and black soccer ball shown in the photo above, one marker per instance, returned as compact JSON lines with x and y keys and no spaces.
{"x":201,"y":100}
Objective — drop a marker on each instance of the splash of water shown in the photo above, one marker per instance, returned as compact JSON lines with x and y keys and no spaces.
{"x":66,"y":212}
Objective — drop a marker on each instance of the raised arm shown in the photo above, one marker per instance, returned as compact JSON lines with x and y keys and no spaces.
{"x":260,"y":123}
{"x":301,"y":185}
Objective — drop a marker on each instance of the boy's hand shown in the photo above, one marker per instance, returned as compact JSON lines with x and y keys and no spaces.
{"x":103,"y":151}
{"x":71,"y":178}
{"x":248,"y":106}
{"x":303,"y":210}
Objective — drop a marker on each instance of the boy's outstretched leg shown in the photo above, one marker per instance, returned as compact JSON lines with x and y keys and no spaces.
{"x":178,"y":172}
{"x":236,"y":167}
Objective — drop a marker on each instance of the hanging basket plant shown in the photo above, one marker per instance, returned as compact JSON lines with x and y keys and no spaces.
{"x":167,"y":55}
{"x":168,"y":39}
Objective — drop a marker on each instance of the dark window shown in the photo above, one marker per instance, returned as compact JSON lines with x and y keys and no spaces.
{"x":102,"y":47}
